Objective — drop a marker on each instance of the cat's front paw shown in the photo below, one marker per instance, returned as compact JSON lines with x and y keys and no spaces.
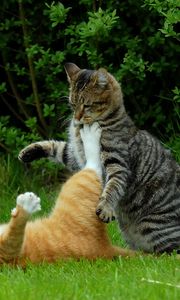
{"x":105,"y":211}
{"x":91,"y":133}
{"x":32,"y":152}
{"x":29,"y":202}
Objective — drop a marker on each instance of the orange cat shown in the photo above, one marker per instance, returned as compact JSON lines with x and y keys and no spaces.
{"x":72,"y":230}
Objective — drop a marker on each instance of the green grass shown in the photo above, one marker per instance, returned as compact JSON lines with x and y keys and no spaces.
{"x":120,"y":279}
{"x":140,"y":278}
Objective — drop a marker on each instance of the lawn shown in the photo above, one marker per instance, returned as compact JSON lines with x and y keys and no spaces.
{"x":136,"y":278}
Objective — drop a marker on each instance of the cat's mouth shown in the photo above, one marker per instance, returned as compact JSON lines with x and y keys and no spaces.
{"x":87,"y":120}
{"x":82,"y":121}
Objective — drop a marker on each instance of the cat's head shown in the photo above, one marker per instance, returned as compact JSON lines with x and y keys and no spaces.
{"x":94,"y":94}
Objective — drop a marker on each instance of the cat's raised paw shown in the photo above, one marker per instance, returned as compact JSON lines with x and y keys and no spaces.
{"x":89,"y":133}
{"x":32,"y":152}
{"x":105,"y":212}
{"x":29,"y":202}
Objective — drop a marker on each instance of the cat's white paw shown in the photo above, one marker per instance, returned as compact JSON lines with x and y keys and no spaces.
{"x":29,"y":202}
{"x":91,"y":133}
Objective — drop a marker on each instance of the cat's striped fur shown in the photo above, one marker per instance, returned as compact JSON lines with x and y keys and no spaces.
{"x":142,"y":180}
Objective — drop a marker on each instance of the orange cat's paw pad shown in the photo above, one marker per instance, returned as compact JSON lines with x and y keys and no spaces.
{"x":105,"y":212}
{"x":29,"y":202}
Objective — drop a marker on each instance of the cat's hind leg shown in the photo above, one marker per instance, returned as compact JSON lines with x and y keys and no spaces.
{"x":12,"y":234}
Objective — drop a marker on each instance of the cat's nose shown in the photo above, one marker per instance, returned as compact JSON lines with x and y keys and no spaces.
{"x":78,"y":115}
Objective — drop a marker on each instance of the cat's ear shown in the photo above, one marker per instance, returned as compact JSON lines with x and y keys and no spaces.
{"x":71,"y":70}
{"x":101,"y":78}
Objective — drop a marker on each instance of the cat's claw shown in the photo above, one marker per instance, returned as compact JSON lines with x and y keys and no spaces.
{"x":29,"y":202}
{"x":105,"y":212}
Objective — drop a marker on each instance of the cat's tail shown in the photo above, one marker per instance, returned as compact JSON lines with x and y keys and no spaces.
{"x":115,"y":252}
{"x":128,"y":253}
{"x":123,"y":252}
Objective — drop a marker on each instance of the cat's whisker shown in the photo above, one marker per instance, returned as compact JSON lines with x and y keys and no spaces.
{"x":63,"y":121}
{"x":64,"y":97}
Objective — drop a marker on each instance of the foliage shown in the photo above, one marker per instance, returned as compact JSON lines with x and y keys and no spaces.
{"x":169,"y":10}
{"x":136,"y":40}
{"x":57,"y":13}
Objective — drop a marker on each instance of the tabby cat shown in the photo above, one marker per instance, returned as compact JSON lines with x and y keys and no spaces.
{"x":72,"y":229}
{"x":141,"y":178}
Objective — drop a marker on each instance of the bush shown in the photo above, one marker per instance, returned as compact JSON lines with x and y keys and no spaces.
{"x":137,"y":41}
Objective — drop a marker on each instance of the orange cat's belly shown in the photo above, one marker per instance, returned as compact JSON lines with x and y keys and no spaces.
{"x":41,"y":241}
{"x":45,"y":242}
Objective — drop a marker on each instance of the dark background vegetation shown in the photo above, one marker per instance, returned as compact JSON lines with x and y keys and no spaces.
{"x":136,"y":40}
